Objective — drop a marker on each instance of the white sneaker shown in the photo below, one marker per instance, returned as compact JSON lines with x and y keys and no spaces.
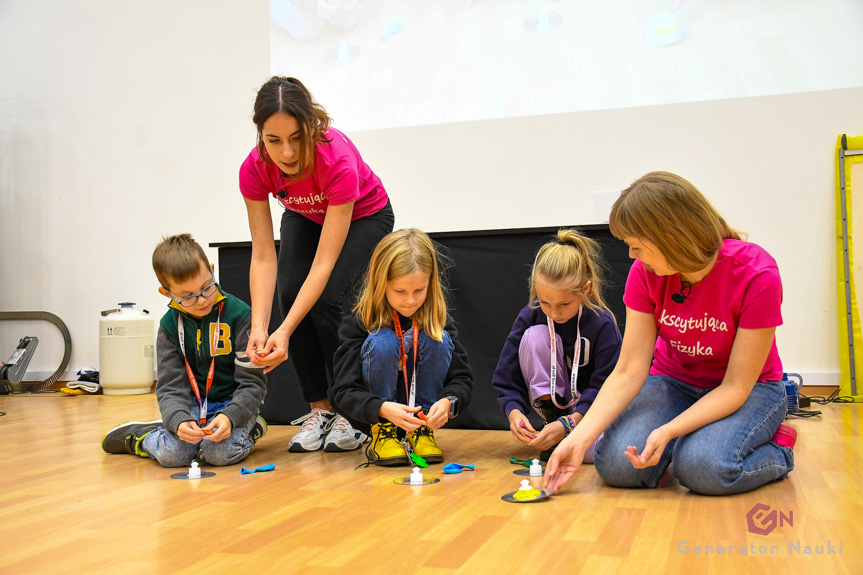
{"x":341,"y":436}
{"x":311,"y":434}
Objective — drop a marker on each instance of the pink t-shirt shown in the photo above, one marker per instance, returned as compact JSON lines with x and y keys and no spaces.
{"x":743,"y":290}
{"x":340,"y":176}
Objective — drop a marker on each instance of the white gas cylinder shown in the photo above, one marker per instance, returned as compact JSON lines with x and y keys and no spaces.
{"x":126,"y":351}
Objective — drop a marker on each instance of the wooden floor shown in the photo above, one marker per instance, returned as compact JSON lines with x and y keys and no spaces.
{"x":66,"y":507}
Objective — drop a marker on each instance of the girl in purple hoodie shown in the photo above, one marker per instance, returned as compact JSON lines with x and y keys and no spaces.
{"x":565,"y":335}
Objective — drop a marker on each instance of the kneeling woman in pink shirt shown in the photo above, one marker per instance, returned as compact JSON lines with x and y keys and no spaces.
{"x":696,"y":394}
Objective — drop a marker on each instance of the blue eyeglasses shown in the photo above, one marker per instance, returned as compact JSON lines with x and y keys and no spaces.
{"x":191,"y":300}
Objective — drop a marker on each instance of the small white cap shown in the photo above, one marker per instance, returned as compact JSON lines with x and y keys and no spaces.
{"x":535,"y":469}
{"x":416,"y":477}
{"x":525,"y":485}
{"x":194,"y":471}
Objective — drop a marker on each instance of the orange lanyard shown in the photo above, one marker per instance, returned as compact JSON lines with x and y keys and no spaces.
{"x":573,"y":380}
{"x":212,"y":370}
{"x":410,"y":394}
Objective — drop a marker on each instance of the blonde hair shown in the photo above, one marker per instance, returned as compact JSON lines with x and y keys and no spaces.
{"x":570,"y":262}
{"x":402,"y":253}
{"x":673,"y":215}
{"x":177,"y":259}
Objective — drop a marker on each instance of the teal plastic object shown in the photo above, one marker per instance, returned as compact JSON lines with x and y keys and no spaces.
{"x":525,"y":462}
{"x":269,"y":467}
{"x":456,"y":467}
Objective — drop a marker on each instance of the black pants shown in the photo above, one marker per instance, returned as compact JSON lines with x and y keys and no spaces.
{"x":316,"y":338}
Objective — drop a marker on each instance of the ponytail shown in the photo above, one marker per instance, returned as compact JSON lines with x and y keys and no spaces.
{"x":571,"y":262}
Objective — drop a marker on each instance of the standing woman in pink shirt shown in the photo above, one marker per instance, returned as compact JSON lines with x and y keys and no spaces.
{"x":336,"y":212}
{"x":696,"y":394}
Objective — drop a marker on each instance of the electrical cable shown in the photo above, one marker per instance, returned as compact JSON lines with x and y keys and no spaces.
{"x":832,"y":398}
{"x":803,"y":413}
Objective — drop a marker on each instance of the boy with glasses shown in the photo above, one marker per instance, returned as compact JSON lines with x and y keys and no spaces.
{"x":209,"y":392}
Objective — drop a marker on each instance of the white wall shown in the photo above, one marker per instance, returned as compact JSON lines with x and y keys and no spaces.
{"x":119,"y":122}
{"x":765,"y":163}
{"x":124,"y":121}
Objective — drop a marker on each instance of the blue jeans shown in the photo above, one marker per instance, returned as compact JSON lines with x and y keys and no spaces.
{"x":170,"y":451}
{"x":381,"y":353}
{"x":732,"y":455}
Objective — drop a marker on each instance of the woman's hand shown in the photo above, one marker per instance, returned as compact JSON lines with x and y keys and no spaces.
{"x":270,"y":353}
{"x":521,"y":429}
{"x":257,"y":342}
{"x":563,"y":463}
{"x":653,"y":449}
{"x":400,"y":414}
{"x":438,"y":413}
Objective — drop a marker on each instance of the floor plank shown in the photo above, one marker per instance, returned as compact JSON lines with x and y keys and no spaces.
{"x":67,"y":507}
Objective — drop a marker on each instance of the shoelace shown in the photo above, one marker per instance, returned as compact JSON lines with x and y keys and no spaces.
{"x":386,"y":431}
{"x":309,"y":420}
{"x":422,"y":431}
{"x":339,"y":423}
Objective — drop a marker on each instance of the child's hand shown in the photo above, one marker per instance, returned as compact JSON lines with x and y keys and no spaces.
{"x":438,"y":414}
{"x":550,"y":435}
{"x":189,"y":432}
{"x":400,"y":414}
{"x":522,"y":430}
{"x":219,"y":428}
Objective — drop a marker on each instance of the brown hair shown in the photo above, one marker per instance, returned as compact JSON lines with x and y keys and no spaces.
{"x":290,"y":96}
{"x":570,"y":262}
{"x":673,"y":215}
{"x":402,"y":253}
{"x":177,"y":259}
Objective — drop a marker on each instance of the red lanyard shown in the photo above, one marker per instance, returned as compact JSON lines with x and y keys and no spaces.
{"x":410,"y":394}
{"x":573,"y":381}
{"x":211,"y":372}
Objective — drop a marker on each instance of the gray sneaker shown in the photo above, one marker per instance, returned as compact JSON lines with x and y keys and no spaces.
{"x":127,"y":437}
{"x":311,"y":434}
{"x":341,"y":436}
{"x":259,"y":429}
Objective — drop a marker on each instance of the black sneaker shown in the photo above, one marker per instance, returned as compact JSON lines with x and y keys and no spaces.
{"x":259,"y":429}
{"x":548,"y":410}
{"x":126,"y":438}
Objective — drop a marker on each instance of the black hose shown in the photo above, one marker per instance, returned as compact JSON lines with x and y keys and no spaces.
{"x":67,"y":341}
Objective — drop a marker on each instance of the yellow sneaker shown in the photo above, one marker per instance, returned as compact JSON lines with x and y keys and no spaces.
{"x":385,"y":448}
{"x":423,"y":443}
